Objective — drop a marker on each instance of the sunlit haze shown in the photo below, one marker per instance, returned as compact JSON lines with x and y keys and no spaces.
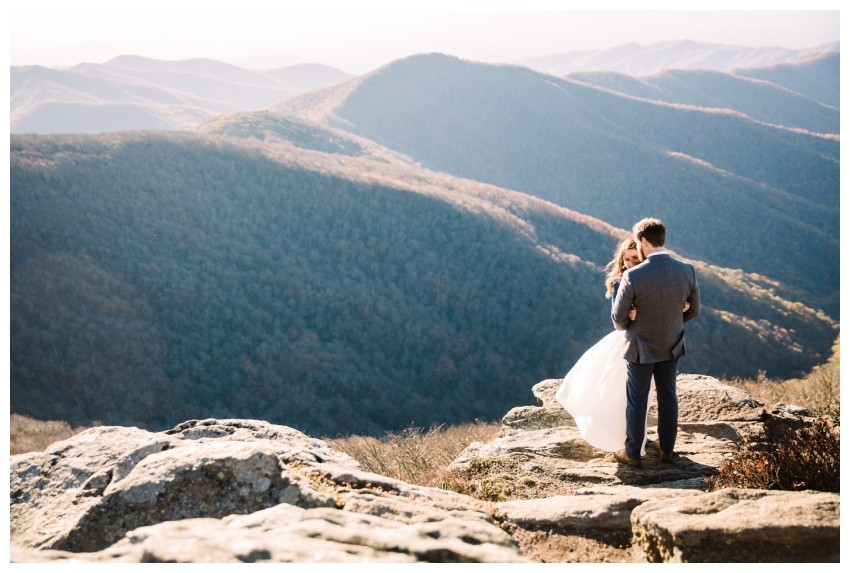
{"x":261,"y":35}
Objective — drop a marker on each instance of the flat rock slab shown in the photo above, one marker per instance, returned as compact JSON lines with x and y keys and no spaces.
{"x":570,"y":463}
{"x":603,"y":508}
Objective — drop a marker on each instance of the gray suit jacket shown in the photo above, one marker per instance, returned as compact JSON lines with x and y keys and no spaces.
{"x":658,"y":288}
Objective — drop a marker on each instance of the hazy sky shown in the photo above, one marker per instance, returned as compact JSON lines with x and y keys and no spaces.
{"x":267,"y":33}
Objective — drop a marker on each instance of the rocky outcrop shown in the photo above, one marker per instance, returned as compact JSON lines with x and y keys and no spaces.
{"x":563,"y":492}
{"x":229,"y":491}
{"x":249,"y":491}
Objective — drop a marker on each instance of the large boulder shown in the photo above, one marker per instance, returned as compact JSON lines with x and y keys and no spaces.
{"x":233,"y":490}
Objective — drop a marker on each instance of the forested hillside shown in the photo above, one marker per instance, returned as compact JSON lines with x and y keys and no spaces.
{"x":160,"y":277}
{"x":731,"y":189}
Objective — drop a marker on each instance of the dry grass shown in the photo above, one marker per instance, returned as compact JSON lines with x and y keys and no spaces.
{"x":819,"y":391}
{"x":30,"y":435}
{"x":416,"y":455}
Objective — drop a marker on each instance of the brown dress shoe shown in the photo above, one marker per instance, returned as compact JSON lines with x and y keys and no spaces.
{"x":625,"y":458}
{"x":665,"y":458}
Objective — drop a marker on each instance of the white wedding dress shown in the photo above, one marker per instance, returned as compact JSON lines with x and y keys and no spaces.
{"x":594,"y":393}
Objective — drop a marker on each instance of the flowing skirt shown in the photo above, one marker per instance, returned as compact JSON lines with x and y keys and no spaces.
{"x":594,"y":393}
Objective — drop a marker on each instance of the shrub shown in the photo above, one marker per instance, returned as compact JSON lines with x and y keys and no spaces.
{"x":791,"y":455}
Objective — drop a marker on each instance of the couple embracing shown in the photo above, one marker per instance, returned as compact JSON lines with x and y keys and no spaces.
{"x":607,"y":391}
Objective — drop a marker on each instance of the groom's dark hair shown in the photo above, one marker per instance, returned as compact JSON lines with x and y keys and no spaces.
{"x":652,"y":230}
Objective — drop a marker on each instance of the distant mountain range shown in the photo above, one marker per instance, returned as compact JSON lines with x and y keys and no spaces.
{"x":420,"y":244}
{"x":639,"y":60}
{"x":131,"y":92}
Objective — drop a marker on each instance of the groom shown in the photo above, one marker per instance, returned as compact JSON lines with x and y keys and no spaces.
{"x":658,"y":289}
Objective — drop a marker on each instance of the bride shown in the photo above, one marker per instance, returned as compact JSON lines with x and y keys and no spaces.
{"x":594,"y":390}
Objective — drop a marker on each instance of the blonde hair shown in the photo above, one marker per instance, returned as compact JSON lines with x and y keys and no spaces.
{"x":617,"y":265}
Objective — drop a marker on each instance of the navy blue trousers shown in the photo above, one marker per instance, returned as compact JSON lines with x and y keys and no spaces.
{"x":639,"y":378}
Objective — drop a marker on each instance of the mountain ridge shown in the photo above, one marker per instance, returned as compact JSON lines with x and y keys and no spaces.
{"x":756,"y":98}
{"x":582,"y":147}
{"x":804,"y":77}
